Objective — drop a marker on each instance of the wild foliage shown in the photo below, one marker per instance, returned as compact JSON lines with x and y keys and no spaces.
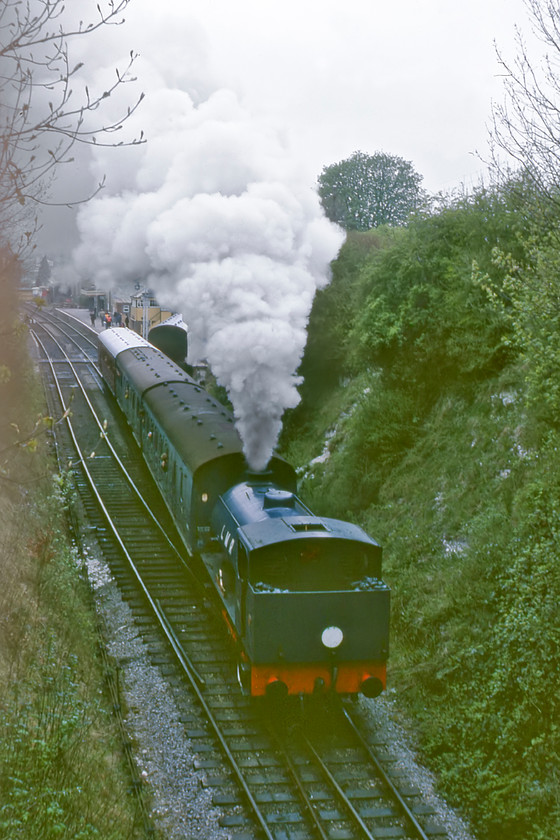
{"x":60,"y":759}
{"x":367,"y":191}
{"x":443,"y":440}
{"x":60,"y":766}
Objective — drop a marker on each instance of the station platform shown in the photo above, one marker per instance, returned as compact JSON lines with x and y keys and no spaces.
{"x":84,"y":316}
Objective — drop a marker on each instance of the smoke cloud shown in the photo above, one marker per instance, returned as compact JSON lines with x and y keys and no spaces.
{"x":214,"y":216}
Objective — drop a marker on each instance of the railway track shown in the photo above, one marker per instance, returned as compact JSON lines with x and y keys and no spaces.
{"x":277,"y":769}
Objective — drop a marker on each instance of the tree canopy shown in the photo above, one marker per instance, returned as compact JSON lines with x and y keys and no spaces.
{"x":366,"y":191}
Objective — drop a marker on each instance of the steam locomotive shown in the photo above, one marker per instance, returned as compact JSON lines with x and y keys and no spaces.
{"x":301,"y":595}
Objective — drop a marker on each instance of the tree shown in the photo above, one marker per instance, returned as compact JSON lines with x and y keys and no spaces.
{"x":365,"y":191}
{"x":40,"y":119}
{"x":526,"y":125}
{"x":44,"y":272}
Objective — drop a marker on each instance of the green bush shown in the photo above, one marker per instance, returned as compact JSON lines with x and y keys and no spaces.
{"x":443,"y":441}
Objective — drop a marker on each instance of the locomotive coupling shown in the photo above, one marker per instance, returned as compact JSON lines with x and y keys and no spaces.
{"x":276,"y":688}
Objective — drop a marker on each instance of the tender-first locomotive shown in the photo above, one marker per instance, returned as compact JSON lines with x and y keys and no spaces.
{"x":301,"y":595}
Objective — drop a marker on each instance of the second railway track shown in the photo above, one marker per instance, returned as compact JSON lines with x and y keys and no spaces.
{"x":278,"y":770}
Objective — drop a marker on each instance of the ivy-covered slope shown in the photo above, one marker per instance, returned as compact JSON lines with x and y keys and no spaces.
{"x":431,"y":415}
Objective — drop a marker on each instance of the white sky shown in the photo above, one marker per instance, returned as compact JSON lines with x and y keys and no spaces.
{"x":413,"y":78}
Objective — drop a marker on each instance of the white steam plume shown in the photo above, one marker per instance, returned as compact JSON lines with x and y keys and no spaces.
{"x":211,"y":214}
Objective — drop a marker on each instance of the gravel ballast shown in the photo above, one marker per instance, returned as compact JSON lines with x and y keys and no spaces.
{"x":181,"y":808}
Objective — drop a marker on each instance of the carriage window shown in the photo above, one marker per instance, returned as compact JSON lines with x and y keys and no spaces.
{"x":312,"y":565}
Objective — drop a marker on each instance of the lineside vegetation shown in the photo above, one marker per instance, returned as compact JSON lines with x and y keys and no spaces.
{"x":62,"y":773}
{"x":433,"y":379}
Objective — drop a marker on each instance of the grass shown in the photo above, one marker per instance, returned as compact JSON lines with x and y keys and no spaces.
{"x":62,"y":774}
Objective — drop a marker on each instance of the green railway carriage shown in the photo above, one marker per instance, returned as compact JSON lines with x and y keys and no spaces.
{"x":188,"y":438}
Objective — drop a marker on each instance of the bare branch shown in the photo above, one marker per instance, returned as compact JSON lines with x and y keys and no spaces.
{"x":526,"y":125}
{"x":34,"y":59}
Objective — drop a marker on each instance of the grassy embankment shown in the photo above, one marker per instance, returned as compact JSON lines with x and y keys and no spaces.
{"x":62,"y":774}
{"x":433,"y":373}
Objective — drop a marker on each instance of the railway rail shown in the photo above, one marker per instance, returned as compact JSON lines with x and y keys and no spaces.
{"x":278,"y":769}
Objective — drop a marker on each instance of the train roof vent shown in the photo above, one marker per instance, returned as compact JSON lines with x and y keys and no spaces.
{"x":278,"y":498}
{"x":302,"y":525}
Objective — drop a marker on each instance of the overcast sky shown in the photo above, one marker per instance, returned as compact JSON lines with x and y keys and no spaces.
{"x":413,"y":78}
{"x":410,"y":77}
